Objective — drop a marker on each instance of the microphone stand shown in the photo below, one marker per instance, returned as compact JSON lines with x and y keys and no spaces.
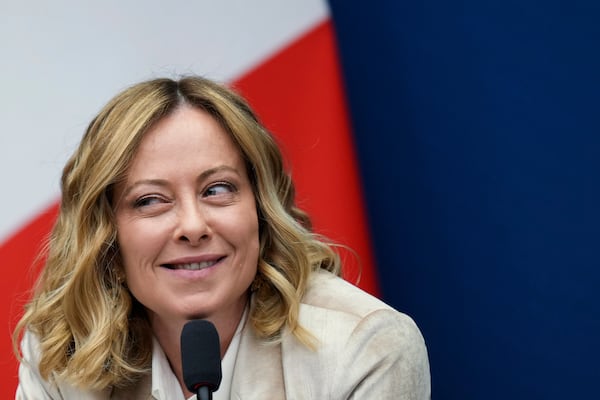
{"x":204,"y":393}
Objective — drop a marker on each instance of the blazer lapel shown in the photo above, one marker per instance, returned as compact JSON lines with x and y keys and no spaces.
{"x":140,"y":391}
{"x":258,"y":369}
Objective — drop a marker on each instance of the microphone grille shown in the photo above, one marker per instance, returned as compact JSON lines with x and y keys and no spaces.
{"x":200,"y":355}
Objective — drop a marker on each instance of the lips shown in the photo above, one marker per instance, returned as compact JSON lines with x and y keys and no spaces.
{"x":193,"y":266}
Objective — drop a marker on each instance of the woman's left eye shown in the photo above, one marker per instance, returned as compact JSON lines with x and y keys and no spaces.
{"x":219,"y":188}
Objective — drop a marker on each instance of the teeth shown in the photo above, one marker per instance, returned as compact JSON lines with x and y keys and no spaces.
{"x":196,"y":266}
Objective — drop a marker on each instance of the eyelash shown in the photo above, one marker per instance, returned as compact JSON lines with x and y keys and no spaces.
{"x":230,"y":187}
{"x":142,"y":201}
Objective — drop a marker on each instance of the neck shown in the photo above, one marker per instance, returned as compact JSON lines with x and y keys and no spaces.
{"x":168,"y":334}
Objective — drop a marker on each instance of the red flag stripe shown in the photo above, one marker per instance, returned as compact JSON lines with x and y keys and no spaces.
{"x":298,"y":93}
{"x":18,"y":254}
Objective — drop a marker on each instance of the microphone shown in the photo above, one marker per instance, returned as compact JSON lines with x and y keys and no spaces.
{"x":201,"y":358}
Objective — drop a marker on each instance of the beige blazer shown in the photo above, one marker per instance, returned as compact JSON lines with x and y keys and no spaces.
{"x":365,"y":350}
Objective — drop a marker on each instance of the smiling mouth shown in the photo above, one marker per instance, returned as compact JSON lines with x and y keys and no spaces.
{"x":193,"y":266}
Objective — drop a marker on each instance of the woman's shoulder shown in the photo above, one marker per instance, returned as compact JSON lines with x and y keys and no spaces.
{"x":328,"y":291}
{"x":363,"y":345}
{"x":331,"y":304}
{"x":33,"y":386}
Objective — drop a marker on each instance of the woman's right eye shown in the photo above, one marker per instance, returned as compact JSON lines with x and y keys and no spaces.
{"x":146,"y":201}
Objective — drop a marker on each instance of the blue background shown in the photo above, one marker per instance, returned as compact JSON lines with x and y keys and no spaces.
{"x":477,"y":128}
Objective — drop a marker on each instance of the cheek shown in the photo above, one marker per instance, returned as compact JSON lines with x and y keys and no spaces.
{"x":246,"y":229}
{"x":252,"y":250}
{"x":138,"y":243}
{"x":240,"y":230}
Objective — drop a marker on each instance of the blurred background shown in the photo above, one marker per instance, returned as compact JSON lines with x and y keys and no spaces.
{"x":454,"y":145}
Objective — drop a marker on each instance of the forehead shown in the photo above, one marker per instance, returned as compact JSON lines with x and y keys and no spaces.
{"x":188,"y":136}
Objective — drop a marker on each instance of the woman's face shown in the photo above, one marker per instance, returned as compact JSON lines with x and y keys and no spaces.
{"x":186,"y":221}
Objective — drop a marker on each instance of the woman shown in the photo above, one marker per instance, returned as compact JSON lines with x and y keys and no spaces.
{"x":176,"y":206}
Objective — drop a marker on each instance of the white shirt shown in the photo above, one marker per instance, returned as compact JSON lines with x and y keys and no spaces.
{"x":165,"y":384}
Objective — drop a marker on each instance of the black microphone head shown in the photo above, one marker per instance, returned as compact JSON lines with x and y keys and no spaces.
{"x":200,"y":355}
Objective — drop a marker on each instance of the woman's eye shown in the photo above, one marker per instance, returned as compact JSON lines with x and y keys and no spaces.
{"x":218,"y":189}
{"x":147,"y":201}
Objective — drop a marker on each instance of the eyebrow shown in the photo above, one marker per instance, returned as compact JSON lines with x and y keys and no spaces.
{"x":162,"y":182}
{"x":215,"y":170}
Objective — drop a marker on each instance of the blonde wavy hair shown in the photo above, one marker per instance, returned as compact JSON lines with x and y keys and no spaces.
{"x":92,"y":332}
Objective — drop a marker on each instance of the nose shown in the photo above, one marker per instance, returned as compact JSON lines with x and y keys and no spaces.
{"x":192,"y":226}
